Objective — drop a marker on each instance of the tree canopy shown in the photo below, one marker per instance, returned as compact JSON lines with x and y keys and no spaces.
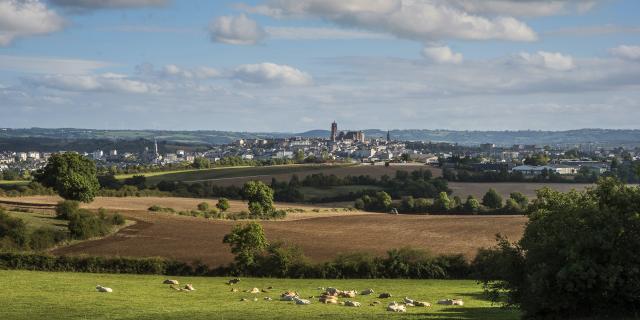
{"x":73,"y":176}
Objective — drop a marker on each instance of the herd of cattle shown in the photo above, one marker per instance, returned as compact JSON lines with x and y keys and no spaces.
{"x":328,"y":296}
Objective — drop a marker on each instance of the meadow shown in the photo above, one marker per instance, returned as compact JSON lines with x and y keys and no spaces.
{"x":42,"y":295}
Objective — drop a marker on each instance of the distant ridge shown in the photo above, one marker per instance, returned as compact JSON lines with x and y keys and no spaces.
{"x":622,"y":137}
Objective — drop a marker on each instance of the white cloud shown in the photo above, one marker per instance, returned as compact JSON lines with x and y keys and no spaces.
{"x":594,"y":30}
{"x":50,"y":65}
{"x":21,"y":18}
{"x":107,"y":4}
{"x":442,"y":55}
{"x":271,"y":73}
{"x":425,"y":20}
{"x":310,"y":33}
{"x":197,"y":73}
{"x":549,"y":60}
{"x":525,"y":8}
{"x":238,"y":30}
{"x":107,"y":82}
{"x":626,"y":52}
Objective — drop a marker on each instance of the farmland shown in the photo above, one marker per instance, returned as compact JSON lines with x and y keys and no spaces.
{"x":322,"y":235}
{"x":73,"y":296}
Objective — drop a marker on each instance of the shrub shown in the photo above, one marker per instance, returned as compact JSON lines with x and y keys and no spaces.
{"x":13,"y":231}
{"x":67,"y":208}
{"x":117,"y":219}
{"x":44,"y":238}
{"x":492,"y":199}
{"x":223,"y":204}
{"x":203,"y":206}
{"x":84,"y":225}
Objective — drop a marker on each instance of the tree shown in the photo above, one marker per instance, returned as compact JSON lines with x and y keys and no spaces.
{"x":492,"y":199}
{"x":578,"y":256}
{"x":442,"y":203}
{"x":259,"y":195}
{"x":246,"y":242}
{"x":201,"y":163}
{"x":223,"y":204}
{"x":73,"y":176}
{"x":520,"y":199}
{"x":539,"y":159}
{"x":472,"y":204}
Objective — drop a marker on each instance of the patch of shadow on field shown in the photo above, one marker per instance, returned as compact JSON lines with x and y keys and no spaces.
{"x":480,"y":296}
{"x":457,"y":313}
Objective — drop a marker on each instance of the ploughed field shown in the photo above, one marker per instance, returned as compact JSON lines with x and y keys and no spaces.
{"x":43,"y":295}
{"x":322,"y":235}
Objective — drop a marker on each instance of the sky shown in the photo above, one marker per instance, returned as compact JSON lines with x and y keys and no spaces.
{"x":297,"y":65}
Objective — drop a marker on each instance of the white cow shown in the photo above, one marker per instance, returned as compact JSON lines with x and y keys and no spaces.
{"x":103,"y":289}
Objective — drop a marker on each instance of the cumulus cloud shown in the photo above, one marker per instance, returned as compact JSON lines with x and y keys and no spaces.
{"x":549,"y":60}
{"x":238,"y":30}
{"x":107,"y":4}
{"x":21,"y":18}
{"x":626,"y":52}
{"x":425,"y":20}
{"x":271,"y":73}
{"x":106,"y":82}
{"x":442,"y":55}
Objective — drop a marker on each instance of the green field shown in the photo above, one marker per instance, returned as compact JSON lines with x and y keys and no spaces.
{"x":28,"y":295}
{"x":14,"y":182}
{"x":228,"y":172}
{"x":39,"y":218}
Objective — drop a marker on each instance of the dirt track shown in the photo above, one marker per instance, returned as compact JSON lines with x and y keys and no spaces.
{"x":321,"y":237}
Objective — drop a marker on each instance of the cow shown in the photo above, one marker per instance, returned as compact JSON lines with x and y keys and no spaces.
{"x":451,"y":302}
{"x":233,"y":281}
{"x":103,"y":289}
{"x":349,"y":303}
{"x":347,"y":294}
{"x":366,"y":292}
{"x":288,"y":296}
{"x":328,"y":299}
{"x":395,"y":307}
{"x":170,"y":281}
{"x":301,"y":301}
{"x":384,"y":295}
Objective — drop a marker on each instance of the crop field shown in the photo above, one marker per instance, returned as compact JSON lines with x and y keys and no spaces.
{"x":239,"y":175}
{"x":42,"y":295}
{"x":478,"y":189}
{"x":322,"y":235}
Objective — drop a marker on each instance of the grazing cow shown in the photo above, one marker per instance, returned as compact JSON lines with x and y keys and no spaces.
{"x":301,"y":301}
{"x":288,"y":296}
{"x":451,"y":302}
{"x":233,"y":281}
{"x":170,"y":281}
{"x":384,"y":295}
{"x":254,"y":290}
{"x":395,"y":307}
{"x":103,"y":289}
{"x":367,"y":292}
{"x":349,"y":303}
{"x":422,"y":304}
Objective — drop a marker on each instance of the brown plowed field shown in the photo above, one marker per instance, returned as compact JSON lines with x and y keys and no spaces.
{"x":322,"y":235}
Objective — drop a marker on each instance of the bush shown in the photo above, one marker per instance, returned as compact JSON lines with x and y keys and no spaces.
{"x":578,"y":257}
{"x":84,"y":225}
{"x":223,"y":204}
{"x":67,"y":208}
{"x":203,"y":206}
{"x":44,"y":238}
{"x":492,"y":199}
{"x":13,"y":232}
{"x":117,"y":219}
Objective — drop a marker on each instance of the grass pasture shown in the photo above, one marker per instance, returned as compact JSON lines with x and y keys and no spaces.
{"x":37,"y":218}
{"x":41,"y":295}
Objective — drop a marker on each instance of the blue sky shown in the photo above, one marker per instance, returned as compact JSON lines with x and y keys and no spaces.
{"x":296,"y":65}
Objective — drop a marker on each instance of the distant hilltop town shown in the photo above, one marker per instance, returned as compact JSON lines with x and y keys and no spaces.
{"x":336,"y":146}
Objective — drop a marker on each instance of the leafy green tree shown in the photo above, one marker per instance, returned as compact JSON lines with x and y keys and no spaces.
{"x":442,"y":203}
{"x":259,"y":196}
{"x":539,"y":159}
{"x":65,"y":209}
{"x":520,"y":199}
{"x":73,"y":176}
{"x":578,"y":257}
{"x":223,"y":204}
{"x":492,"y":199}
{"x":201,"y":163}
{"x":246,"y":241}
{"x":14,"y":230}
{"x":472,"y":204}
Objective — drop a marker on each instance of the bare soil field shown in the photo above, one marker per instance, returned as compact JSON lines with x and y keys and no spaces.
{"x":478,"y":189}
{"x":322,"y":235}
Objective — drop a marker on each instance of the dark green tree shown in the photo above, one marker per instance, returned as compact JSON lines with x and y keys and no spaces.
{"x":246,"y":242}
{"x":223,"y":204}
{"x":73,"y":176}
{"x":259,"y":195}
{"x":492,"y":199}
{"x":201,"y":163}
